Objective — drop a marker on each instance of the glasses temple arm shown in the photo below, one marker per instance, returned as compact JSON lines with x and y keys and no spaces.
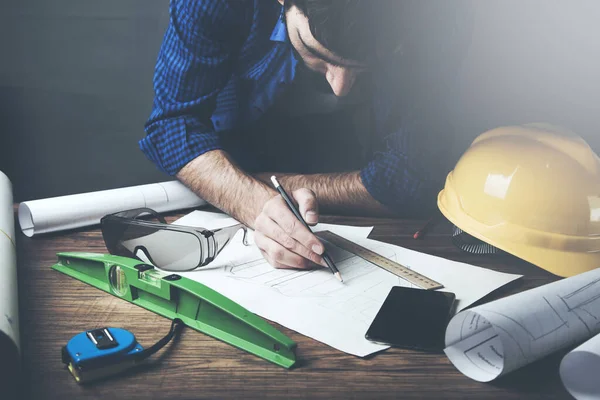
{"x":218,"y":239}
{"x":228,"y":232}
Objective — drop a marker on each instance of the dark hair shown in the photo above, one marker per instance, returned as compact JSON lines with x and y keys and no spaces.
{"x":364,"y":30}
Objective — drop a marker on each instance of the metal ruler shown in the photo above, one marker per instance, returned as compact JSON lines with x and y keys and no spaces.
{"x":391,"y":266}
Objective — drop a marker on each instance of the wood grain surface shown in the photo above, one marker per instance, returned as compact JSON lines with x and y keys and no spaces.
{"x":55,"y":307}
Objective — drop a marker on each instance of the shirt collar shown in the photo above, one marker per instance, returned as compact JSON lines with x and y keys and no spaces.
{"x":279,"y":33}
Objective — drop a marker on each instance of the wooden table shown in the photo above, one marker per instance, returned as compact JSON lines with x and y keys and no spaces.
{"x":54,"y":307}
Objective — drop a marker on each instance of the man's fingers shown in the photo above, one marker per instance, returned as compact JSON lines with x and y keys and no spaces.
{"x":273,"y":263}
{"x":307,"y":205}
{"x":271,"y":229}
{"x":278,"y":211}
{"x":279,"y":256}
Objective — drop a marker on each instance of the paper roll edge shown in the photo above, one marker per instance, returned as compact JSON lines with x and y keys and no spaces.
{"x":453,"y":339}
{"x":26,"y":220}
{"x":5,"y":177}
{"x":576,"y":384}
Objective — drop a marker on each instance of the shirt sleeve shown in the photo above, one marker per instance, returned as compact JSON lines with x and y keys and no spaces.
{"x":414,"y":144}
{"x":396,"y":178}
{"x":194,"y":64}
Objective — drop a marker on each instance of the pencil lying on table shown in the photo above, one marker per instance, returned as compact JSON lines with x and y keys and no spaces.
{"x":421,"y":232}
{"x":292,"y":207}
{"x":430,"y":223}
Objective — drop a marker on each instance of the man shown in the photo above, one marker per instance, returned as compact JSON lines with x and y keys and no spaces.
{"x":246,"y":89}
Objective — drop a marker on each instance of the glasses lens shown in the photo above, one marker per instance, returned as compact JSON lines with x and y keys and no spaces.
{"x":164,"y":248}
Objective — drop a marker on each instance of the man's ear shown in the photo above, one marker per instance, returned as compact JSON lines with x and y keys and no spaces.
{"x":281,"y":1}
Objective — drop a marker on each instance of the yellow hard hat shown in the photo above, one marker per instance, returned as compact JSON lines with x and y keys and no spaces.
{"x":532,"y":191}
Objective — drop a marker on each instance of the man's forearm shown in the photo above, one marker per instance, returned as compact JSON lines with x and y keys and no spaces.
{"x":337,"y":193}
{"x":217,"y":179}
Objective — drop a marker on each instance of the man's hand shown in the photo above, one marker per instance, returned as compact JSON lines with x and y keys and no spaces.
{"x":283,"y":240}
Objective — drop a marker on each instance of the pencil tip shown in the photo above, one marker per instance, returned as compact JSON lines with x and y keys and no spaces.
{"x":339,"y":276}
{"x":274,"y":180}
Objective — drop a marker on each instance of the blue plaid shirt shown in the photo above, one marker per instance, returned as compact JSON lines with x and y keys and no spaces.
{"x":223,"y":63}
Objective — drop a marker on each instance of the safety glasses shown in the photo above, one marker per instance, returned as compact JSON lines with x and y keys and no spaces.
{"x":169,"y":247}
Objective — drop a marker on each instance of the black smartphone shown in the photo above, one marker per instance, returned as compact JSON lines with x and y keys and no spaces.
{"x":413,"y":319}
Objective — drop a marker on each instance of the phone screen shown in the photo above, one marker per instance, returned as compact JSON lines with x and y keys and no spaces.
{"x":413,"y":318}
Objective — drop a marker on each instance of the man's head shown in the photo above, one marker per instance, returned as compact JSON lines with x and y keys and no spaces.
{"x":340,"y":39}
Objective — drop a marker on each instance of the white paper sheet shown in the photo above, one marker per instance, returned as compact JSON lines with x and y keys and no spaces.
{"x":9,"y":311}
{"x":74,"y":211}
{"x":496,"y":338}
{"x":579,"y":370}
{"x":313,"y":302}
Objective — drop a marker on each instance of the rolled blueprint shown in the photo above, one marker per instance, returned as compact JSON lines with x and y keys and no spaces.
{"x":496,"y":338}
{"x":74,"y":211}
{"x":9,"y":312}
{"x":579,"y":370}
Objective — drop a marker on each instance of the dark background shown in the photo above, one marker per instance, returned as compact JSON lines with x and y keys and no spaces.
{"x":76,"y":83}
{"x":75,"y":91}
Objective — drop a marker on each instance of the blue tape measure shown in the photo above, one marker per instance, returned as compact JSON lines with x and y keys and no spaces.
{"x":99,"y":353}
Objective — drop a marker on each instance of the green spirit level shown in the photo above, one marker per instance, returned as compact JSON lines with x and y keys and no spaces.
{"x":174,"y":296}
